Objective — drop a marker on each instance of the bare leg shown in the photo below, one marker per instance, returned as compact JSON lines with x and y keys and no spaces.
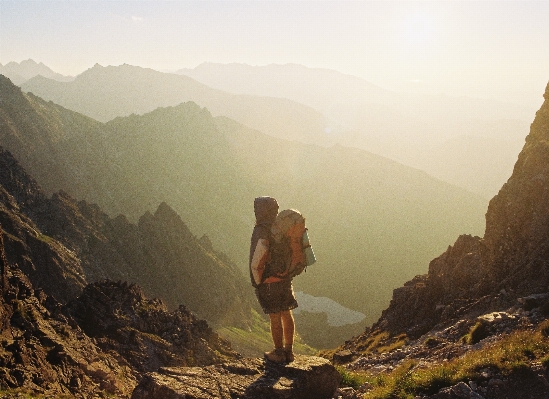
{"x":277,"y":355}
{"x":288,"y":326}
{"x":277,"y":329}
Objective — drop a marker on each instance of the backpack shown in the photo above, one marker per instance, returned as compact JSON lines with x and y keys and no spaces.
{"x":289,"y":245}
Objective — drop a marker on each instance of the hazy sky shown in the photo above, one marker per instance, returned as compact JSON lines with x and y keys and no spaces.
{"x":490,"y":49}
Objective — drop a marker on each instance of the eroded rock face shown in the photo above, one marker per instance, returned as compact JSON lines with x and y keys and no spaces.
{"x":517,"y":221}
{"x":305,"y":378}
{"x":142,"y":331}
{"x":45,"y":352}
{"x":477,"y":275}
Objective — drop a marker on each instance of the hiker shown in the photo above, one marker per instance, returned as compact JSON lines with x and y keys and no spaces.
{"x":275,"y":295}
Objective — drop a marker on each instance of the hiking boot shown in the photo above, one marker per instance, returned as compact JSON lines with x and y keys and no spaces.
{"x":289,"y":355}
{"x":277,"y":355}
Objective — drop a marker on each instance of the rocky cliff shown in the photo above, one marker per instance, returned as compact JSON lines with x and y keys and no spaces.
{"x":44,"y":351}
{"x":100,"y":344}
{"x":511,"y":260}
{"x":67,"y":243}
{"x":479,"y":316}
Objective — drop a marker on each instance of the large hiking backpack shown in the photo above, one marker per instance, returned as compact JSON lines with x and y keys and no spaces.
{"x":290,"y":249}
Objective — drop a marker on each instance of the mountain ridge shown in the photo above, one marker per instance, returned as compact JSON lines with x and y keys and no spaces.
{"x":27,"y":69}
{"x":160,"y":253}
{"x":483,"y":295}
{"x":417,"y":130}
{"x":210,"y":169}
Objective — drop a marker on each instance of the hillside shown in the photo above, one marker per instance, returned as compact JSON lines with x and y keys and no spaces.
{"x":374,"y":223}
{"x":63,"y":244}
{"x":45,"y":352}
{"x":105,"y":93}
{"x":20,"y":72}
{"x":483,"y":305}
{"x":419,"y":131}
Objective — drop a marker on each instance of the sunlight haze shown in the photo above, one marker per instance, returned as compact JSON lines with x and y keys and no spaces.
{"x":478,"y":49}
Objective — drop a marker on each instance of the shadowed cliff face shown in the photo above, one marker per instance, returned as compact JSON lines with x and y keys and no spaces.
{"x":98,"y":345}
{"x":476,"y":274}
{"x":210,"y":169}
{"x":517,"y":221}
{"x":62,"y":244}
{"x":44,"y":351}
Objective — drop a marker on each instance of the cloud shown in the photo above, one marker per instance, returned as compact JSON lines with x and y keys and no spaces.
{"x":137,"y":19}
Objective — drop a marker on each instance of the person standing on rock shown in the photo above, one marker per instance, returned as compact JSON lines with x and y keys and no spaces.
{"x":275,"y":295}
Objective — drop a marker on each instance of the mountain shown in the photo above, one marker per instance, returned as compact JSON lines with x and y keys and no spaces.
{"x":25,"y":70}
{"x":510,"y":258}
{"x":483,"y":303}
{"x":316,"y":106}
{"x":99,"y":345}
{"x":67,"y":244}
{"x":105,"y":93}
{"x":410,"y":129}
{"x":373,"y":223}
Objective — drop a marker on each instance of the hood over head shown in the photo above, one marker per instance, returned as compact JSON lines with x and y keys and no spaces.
{"x":266,"y":209}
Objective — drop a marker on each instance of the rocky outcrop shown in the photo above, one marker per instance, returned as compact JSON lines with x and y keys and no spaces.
{"x":477,"y":275}
{"x":304,"y":378}
{"x":99,"y":344}
{"x":45,"y":352}
{"x":517,"y":221}
{"x":143,"y":331}
{"x":62,"y":244}
{"x":47,"y":263}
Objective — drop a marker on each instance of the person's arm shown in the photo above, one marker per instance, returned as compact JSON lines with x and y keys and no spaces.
{"x":259,"y":259}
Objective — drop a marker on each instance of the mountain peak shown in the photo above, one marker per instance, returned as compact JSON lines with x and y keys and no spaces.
{"x":164,"y":211}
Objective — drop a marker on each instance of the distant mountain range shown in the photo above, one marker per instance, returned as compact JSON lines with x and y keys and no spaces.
{"x":469,"y":142}
{"x":374,"y":223}
{"x":316,"y":106}
{"x":105,"y":93}
{"x":20,"y":72}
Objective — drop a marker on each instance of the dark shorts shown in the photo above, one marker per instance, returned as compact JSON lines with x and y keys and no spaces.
{"x":276,"y":297}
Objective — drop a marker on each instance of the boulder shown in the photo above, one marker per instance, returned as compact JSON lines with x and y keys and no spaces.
{"x":459,"y":391}
{"x":306,"y":377}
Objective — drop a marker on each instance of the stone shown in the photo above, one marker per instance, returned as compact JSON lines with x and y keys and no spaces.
{"x":341,"y":357}
{"x":307,"y":377}
{"x":458,"y":391}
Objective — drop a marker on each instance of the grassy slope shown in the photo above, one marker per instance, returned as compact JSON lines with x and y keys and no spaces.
{"x":508,"y":356}
{"x":258,"y":339}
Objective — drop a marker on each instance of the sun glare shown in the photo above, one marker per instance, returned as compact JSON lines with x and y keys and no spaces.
{"x":418,"y":30}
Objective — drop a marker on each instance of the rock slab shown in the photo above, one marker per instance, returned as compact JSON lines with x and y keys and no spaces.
{"x":307,"y":377}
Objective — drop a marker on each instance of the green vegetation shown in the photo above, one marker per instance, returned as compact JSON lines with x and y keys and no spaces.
{"x":431,"y":341}
{"x":476,"y":333}
{"x":351,"y":379}
{"x":392,"y":343}
{"x":44,"y":238}
{"x":511,"y":354}
{"x":258,"y":339}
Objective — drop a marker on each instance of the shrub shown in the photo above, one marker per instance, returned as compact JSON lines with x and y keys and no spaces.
{"x":477,"y":333}
{"x":512,"y":354}
{"x":544,"y":328}
{"x":350,"y":379}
